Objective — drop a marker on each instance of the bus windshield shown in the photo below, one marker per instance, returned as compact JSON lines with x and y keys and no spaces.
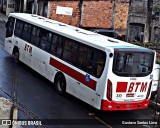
{"x":133,"y":64}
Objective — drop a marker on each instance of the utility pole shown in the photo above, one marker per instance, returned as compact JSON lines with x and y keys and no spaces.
{"x":35,"y":7}
{"x":148,"y":21}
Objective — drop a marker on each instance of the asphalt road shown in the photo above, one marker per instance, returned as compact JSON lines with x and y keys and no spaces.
{"x":38,"y":95}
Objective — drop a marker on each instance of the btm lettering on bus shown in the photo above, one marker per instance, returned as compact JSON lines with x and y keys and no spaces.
{"x":28,"y":48}
{"x":142,"y":85}
{"x":132,"y":87}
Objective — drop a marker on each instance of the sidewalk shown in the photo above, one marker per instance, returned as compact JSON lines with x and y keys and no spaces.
{"x":3,"y":17}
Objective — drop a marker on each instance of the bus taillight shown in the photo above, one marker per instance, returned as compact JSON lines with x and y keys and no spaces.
{"x":109,"y":90}
{"x":149,"y":90}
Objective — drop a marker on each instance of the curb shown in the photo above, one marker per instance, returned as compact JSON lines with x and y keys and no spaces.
{"x":3,"y":17}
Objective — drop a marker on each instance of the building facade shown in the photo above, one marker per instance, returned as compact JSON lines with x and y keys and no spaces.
{"x":155,"y":25}
{"x":7,"y":6}
{"x":27,"y":6}
{"x":137,"y":20}
{"x":108,"y":14}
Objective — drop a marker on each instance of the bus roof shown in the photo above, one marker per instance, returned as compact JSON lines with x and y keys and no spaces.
{"x":87,"y":37}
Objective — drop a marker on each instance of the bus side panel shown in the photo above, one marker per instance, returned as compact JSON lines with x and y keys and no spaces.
{"x":101,"y":87}
{"x":40,"y":63}
{"x":24,"y":54}
{"x":80,"y":90}
{"x":76,"y":81}
{"x":8,"y":46}
{"x":39,"y":59}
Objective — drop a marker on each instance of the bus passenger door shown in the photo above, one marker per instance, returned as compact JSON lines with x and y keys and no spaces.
{"x":9,"y":33}
{"x":77,"y":86}
{"x":38,"y":61}
{"x":40,"y":56}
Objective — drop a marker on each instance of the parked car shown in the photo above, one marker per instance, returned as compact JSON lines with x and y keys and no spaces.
{"x":110,"y":33}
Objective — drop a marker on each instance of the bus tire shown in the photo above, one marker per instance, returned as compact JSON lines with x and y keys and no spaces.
{"x":16,"y":56}
{"x":60,"y":84}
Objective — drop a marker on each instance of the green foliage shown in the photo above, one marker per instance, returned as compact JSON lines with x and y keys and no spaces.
{"x":156,"y":8}
{"x":149,"y":44}
{"x":152,"y":44}
{"x":137,"y":43}
{"x":157,"y":61}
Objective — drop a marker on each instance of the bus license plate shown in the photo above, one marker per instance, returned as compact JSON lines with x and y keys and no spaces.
{"x":129,"y":105}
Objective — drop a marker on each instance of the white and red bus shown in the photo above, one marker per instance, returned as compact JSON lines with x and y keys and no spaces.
{"x":106,"y":73}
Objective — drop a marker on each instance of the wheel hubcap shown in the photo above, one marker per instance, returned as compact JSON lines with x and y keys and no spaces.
{"x":16,"y":56}
{"x":60,"y":85}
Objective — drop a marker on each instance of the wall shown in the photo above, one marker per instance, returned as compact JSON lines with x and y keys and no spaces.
{"x":155,"y":26}
{"x":74,"y":20}
{"x":10,"y":6}
{"x":97,"y":14}
{"x":121,"y":15}
{"x":108,"y":14}
{"x":137,"y":20}
{"x":137,"y":15}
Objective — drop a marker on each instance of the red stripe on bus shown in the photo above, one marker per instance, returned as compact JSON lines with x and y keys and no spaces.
{"x":73,"y":73}
{"x":121,"y":86}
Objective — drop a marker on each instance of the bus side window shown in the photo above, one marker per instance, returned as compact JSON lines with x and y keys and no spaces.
{"x":45,"y":41}
{"x":67,"y":50}
{"x":26,"y":33}
{"x":82,"y":61}
{"x":89,"y":57}
{"x":10,"y":27}
{"x":99,"y":63}
{"x":18,"y":28}
{"x":74,"y":53}
{"x":53,"y":43}
{"x":57,"y":46}
{"x":35,"y":36}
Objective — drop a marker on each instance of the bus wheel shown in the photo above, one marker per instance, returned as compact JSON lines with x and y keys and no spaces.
{"x":16,"y":56}
{"x":60,"y":84}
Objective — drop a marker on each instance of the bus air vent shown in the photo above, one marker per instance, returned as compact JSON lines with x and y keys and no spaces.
{"x":48,"y":21}
{"x":113,"y":41}
{"x":40,"y":17}
{"x":33,"y":15}
{"x":61,"y":24}
{"x":85,"y":32}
